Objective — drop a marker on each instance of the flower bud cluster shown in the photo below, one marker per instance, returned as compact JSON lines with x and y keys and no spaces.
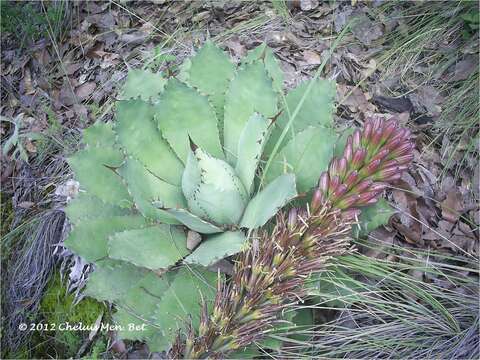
{"x":372,"y":158}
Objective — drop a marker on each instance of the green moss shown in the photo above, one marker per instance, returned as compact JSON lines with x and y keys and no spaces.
{"x":57,"y":307}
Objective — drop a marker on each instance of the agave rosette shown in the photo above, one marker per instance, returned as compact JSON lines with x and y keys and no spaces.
{"x":187,"y":153}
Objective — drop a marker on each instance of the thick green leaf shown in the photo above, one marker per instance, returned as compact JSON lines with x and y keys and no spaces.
{"x":158,"y":306}
{"x":264,"y":53}
{"x":193,"y":221}
{"x":316,"y":110}
{"x":155,"y":247}
{"x":268,"y":201}
{"x":85,"y":206}
{"x":217,"y":247}
{"x":306,"y":155}
{"x":99,"y":135}
{"x":89,"y":238}
{"x":372,"y":217}
{"x":183,"y":112}
{"x":112,"y":279}
{"x":140,"y":137}
{"x":136,"y":310}
{"x":146,"y":188}
{"x":250,"y":91}
{"x":220,"y":196}
{"x":250,"y":147}
{"x":210,"y":72}
{"x":143,"y":84}
{"x":182,"y":301}
{"x":192,"y":176}
{"x":93,"y":169}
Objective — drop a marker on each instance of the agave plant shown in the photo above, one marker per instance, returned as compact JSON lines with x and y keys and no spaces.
{"x":217,"y":150}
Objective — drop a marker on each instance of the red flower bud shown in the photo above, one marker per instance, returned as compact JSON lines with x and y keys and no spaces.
{"x":382,"y":154}
{"x":377,"y":137}
{"x":399,"y":134}
{"x":340,"y":191}
{"x":388,"y":130}
{"x":362,"y":186}
{"x":404,"y":159}
{"x":371,"y":201}
{"x":358,"y":158}
{"x":378,"y":186}
{"x":334,"y":183}
{"x":317,"y":199}
{"x":348,"y":202}
{"x":292,"y":218}
{"x":376,"y":124}
{"x":348,"y":152}
{"x":366,"y":197}
{"x":324,"y":182}
{"x":351,"y":178}
{"x":357,"y":139}
{"x":389,"y":163}
{"x":386,"y":173}
{"x":402,"y":150}
{"x":333,"y":167}
{"x":367,"y":133}
{"x":370,"y":168}
{"x":342,"y":167}
{"x":393,"y":177}
{"x":393,"y":143}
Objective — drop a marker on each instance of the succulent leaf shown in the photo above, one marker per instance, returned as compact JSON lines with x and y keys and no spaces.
{"x":112,"y":279}
{"x":86,"y":206}
{"x":143,"y":298}
{"x":99,"y":135}
{"x":89,"y":238}
{"x":193,"y":221}
{"x":372,"y":217}
{"x":210,"y":72}
{"x":138,"y":306}
{"x":140,"y":138}
{"x":182,"y":300}
{"x":182,"y":113}
{"x":250,"y":91}
{"x":306,"y":155}
{"x":90,"y":168}
{"x":143,"y":84}
{"x":250,"y":147}
{"x":155,"y":247}
{"x":192,"y":176}
{"x":220,"y":196}
{"x":264,"y":53}
{"x":268,"y":201}
{"x":146,"y":188}
{"x":316,"y":110}
{"x":217,"y":247}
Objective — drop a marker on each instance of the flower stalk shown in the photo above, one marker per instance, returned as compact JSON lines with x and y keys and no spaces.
{"x":270,"y":273}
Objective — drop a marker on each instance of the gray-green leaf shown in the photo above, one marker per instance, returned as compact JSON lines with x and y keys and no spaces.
{"x":268,"y":201}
